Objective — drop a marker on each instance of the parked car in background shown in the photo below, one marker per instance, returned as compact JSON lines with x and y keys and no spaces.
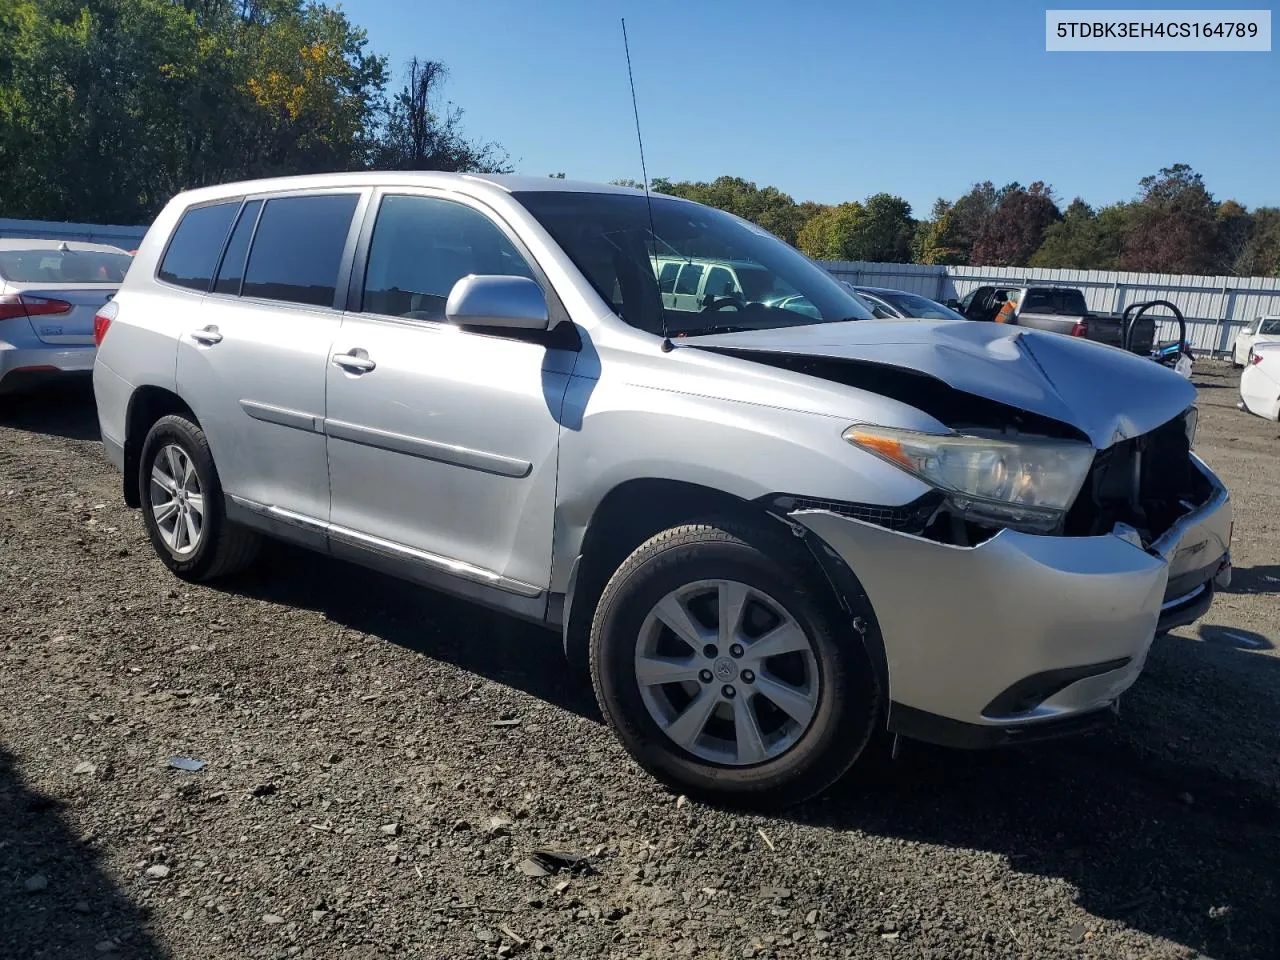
{"x":770,"y":532}
{"x":1055,"y":309}
{"x":49,"y":293}
{"x":886,"y":304}
{"x":1260,"y":381}
{"x":1262,"y":330}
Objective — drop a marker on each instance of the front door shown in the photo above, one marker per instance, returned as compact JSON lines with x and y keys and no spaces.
{"x":442,"y":441}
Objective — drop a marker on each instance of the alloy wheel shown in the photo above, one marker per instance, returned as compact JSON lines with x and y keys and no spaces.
{"x":177,"y":500}
{"x":727,"y":673}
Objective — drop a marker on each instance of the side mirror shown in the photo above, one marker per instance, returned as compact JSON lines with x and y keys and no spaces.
{"x":511,"y":303}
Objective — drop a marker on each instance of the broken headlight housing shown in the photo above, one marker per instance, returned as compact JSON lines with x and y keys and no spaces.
{"x":1025,"y":483}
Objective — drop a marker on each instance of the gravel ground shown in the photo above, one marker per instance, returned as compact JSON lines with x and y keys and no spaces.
{"x":380,"y":759}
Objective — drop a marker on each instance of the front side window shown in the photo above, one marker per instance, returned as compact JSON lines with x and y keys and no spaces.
{"x":720,"y":283}
{"x":422,"y":246}
{"x":298,"y":248}
{"x":196,"y":244}
{"x":613,"y":242}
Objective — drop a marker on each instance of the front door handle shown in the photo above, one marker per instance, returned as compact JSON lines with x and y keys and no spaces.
{"x":357,"y":361}
{"x":208,"y":336}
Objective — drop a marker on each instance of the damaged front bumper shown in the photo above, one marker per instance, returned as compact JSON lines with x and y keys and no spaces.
{"x":1022,"y":636}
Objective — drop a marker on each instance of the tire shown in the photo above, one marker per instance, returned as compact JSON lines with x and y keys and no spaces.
{"x":792,"y":760}
{"x":220,"y":547}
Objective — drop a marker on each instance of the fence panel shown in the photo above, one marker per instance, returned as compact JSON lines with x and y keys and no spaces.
{"x":1215,"y":308}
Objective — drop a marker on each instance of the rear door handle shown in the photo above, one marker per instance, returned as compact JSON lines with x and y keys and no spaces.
{"x":208,"y":336}
{"x":357,"y":361}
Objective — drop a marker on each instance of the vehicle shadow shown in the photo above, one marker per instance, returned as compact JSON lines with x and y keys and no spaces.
{"x":483,"y":642}
{"x":1264,"y":578}
{"x":1169,"y":824}
{"x":61,"y":411}
{"x":1141,"y":821}
{"x":55,"y":901}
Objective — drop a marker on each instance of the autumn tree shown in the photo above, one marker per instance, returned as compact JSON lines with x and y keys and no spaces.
{"x":1173,"y":227}
{"x":1014,"y":231}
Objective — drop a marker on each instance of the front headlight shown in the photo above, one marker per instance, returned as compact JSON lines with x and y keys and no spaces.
{"x":1028,"y":483}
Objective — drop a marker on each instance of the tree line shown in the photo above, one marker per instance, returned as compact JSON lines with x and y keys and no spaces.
{"x":110,"y":107}
{"x":1173,"y":225}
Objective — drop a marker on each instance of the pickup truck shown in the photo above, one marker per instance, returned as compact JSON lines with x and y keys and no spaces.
{"x":1057,"y":310}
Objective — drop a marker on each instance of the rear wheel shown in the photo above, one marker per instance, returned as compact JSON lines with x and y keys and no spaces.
{"x":719,"y":661}
{"x":182,"y":505}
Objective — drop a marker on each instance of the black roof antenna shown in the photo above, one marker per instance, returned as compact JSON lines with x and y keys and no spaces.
{"x":667,"y":345}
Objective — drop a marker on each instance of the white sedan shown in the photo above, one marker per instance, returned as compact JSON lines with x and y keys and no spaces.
{"x":1260,"y":382}
{"x":1262,"y":330}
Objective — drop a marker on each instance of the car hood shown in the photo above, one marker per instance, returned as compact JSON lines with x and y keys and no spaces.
{"x":1106,"y":393}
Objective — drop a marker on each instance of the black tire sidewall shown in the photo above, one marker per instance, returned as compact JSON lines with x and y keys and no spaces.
{"x":849,"y":702}
{"x":185,"y":434}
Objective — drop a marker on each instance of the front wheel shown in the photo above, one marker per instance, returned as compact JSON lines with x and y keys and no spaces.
{"x":182,"y":507}
{"x":720,"y":661}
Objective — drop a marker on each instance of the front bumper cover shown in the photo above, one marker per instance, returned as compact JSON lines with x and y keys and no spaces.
{"x":1066,"y":622}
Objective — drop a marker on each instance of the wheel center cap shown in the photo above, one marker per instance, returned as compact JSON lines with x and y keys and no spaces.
{"x":725,"y":669}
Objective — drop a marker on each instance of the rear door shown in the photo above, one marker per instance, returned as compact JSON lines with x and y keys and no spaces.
{"x":251,"y":362}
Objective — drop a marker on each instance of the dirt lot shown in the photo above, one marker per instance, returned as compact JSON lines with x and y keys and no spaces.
{"x":362,"y":736}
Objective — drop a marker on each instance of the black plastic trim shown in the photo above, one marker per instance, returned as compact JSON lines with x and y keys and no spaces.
{"x":931,"y":728}
{"x":1189,"y":612}
{"x":1029,"y":692}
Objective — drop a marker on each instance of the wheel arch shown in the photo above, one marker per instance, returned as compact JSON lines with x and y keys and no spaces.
{"x":637,"y":509}
{"x":147,"y":404}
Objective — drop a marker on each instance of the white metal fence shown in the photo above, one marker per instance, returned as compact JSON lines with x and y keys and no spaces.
{"x":1215,"y":308}
{"x":126,"y":237}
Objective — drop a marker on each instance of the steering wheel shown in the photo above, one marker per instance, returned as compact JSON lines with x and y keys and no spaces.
{"x":719,"y":303}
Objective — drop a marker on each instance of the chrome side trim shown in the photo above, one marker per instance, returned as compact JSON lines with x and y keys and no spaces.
{"x":283,"y":416}
{"x":429,"y":449}
{"x":456,"y":568}
{"x":387,"y":548}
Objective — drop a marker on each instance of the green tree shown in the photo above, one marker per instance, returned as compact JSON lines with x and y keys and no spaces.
{"x":879,"y":229}
{"x":1084,"y":239}
{"x":769,"y":207}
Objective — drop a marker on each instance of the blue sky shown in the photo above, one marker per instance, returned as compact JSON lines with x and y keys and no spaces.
{"x":833,"y":101}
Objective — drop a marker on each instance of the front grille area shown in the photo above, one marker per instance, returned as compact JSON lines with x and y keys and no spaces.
{"x":1148,"y":482}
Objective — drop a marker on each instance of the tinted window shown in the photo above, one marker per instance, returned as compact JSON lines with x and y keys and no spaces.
{"x":232,"y":269}
{"x":689,"y":277}
{"x":1270,"y":327}
{"x":298,"y":248}
{"x":667,"y":279}
{"x":193,"y":251}
{"x":63,"y":266}
{"x":422,"y":246}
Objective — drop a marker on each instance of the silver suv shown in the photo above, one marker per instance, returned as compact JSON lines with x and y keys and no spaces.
{"x":774,"y":526}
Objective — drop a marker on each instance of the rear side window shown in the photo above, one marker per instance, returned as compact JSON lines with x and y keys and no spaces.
{"x":194,"y":248}
{"x":298,"y":248}
{"x":232,"y":270}
{"x":422,"y":246}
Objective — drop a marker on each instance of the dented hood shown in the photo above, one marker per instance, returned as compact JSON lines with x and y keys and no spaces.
{"x":1107,"y":393}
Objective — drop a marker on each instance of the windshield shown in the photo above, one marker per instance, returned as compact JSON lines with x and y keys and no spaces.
{"x":913,"y":305}
{"x":705,"y":271}
{"x":63,"y":266}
